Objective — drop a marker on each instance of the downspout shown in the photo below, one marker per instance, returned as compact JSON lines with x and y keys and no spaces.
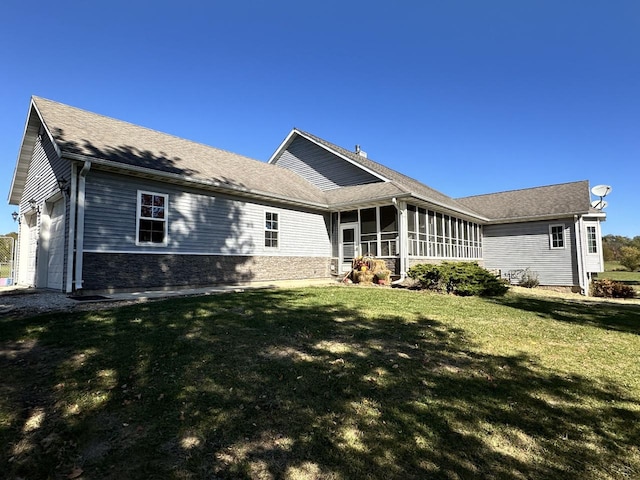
{"x":584,"y":285}
{"x":401,"y":241}
{"x":80,"y":223}
{"x":72,"y":228}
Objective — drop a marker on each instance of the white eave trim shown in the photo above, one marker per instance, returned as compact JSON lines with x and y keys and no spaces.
{"x":180,"y":179}
{"x":448,"y":208}
{"x":540,"y":218}
{"x":24,"y":156}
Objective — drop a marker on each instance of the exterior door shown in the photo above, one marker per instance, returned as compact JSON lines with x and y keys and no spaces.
{"x":348,"y":245}
{"x":56,"y":246}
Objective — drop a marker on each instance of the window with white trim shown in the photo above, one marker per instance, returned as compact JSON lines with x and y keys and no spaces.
{"x":592,"y":240}
{"x":151,"y":228}
{"x":271,"y":230}
{"x":556,"y":236}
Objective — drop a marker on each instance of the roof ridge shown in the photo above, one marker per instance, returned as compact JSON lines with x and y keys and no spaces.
{"x":522,"y":189}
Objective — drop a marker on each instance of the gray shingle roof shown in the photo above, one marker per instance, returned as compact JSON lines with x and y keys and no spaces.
{"x":80,"y":132}
{"x":402,"y":182}
{"x":549,"y":201}
{"x":77,"y":131}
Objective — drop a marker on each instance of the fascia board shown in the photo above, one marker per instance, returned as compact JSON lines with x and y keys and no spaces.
{"x":285,"y":143}
{"x":449,"y":208}
{"x":179,"y":179}
{"x":537,"y":218}
{"x":24,"y":154}
{"x":46,"y":129}
{"x":370,"y":201}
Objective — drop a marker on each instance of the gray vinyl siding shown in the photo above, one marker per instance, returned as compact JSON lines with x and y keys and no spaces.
{"x":198,"y":223}
{"x":519,"y":246}
{"x":44,"y":170}
{"x":322,"y":168}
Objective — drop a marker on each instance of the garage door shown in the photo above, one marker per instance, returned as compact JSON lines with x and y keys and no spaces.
{"x":56,"y":246}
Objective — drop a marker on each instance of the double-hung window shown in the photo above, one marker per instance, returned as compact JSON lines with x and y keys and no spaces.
{"x":152,"y":218}
{"x":592,"y":240}
{"x":556,"y":236}
{"x":271,"y":230}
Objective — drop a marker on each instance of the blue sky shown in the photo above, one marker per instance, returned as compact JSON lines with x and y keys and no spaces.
{"x":468,"y":97}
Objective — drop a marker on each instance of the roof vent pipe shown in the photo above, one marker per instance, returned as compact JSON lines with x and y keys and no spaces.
{"x":360,"y":152}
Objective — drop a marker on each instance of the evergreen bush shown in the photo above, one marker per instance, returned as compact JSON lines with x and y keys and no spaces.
{"x":459,"y":278}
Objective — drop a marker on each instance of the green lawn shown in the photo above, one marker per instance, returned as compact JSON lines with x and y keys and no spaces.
{"x":614,"y":271}
{"x":325,"y":383}
{"x":5,"y":270}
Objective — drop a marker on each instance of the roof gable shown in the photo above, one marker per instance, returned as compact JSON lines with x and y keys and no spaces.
{"x":321,"y":166}
{"x":82,"y":134}
{"x":403,"y":185}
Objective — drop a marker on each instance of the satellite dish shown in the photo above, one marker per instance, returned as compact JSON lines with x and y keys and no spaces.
{"x":601,"y":190}
{"x":599,"y":204}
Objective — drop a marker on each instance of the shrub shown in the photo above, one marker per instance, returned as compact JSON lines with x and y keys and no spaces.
{"x":630,"y":258}
{"x":611,"y":289}
{"x":459,"y":278}
{"x":529,"y":279}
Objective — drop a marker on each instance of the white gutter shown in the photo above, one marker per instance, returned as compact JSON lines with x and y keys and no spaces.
{"x":181,"y":179}
{"x":80,"y":224}
{"x":72,"y":227}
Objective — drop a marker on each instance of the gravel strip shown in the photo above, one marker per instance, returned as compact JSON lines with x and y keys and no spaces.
{"x":25,"y":303}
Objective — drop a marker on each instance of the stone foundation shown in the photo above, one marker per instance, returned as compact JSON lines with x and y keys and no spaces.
{"x":127,"y":272}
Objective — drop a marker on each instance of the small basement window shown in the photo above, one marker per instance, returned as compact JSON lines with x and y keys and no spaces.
{"x":152,"y":218}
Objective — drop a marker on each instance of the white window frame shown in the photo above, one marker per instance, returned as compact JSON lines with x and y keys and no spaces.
{"x":595,"y":240}
{"x":564,"y":241}
{"x":139,"y":217}
{"x":276,"y":230}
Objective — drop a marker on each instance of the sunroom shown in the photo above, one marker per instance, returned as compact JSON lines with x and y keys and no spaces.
{"x":403,"y":234}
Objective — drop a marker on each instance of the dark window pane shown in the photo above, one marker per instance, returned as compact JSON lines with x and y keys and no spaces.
{"x":422,"y":220}
{"x":388,"y":219}
{"x":411,"y":217}
{"x":348,"y":217}
{"x":158,"y":212}
{"x":368,"y":220}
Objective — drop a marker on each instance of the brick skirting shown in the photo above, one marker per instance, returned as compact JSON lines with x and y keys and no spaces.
{"x":114,"y":271}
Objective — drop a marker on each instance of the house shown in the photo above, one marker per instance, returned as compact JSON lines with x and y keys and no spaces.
{"x":106,"y":205}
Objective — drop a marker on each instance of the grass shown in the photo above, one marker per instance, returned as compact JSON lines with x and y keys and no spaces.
{"x":5,"y":270}
{"x":615,"y":271}
{"x":325,"y":383}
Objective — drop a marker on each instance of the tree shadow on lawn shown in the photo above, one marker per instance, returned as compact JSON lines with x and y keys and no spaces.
{"x":606,"y":315}
{"x":265,"y":385}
